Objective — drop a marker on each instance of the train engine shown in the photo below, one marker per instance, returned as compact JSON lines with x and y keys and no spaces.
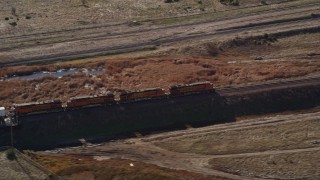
{"x":90,"y":100}
{"x":183,"y":89}
{"x":27,"y":108}
{"x":152,"y":93}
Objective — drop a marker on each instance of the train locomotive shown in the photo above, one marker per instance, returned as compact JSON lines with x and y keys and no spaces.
{"x":151,"y":93}
{"x":26,"y":108}
{"x":184,"y":89}
{"x":125,"y":96}
{"x":90,"y":100}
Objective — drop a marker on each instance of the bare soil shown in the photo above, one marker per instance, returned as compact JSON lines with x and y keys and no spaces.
{"x":274,"y":146}
{"x":81,"y":167}
{"x":31,"y":15}
{"x":292,"y":165}
{"x":160,"y":37}
{"x":293,"y":135}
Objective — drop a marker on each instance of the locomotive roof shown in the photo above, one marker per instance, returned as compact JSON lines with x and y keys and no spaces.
{"x":192,"y":84}
{"x":37,"y":103}
{"x":94,"y":96}
{"x":142,"y":90}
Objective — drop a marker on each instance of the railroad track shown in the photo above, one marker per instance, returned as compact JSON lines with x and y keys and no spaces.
{"x":99,"y":32}
{"x":140,"y":44}
{"x":151,"y":43}
{"x":268,"y":86}
{"x":107,"y":25}
{"x":229,"y":91}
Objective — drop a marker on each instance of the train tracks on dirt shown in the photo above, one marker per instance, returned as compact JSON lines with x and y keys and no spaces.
{"x":268,"y":86}
{"x":119,"y":38}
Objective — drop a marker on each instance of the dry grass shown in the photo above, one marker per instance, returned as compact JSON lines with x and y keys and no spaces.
{"x":290,"y":135}
{"x":75,"y":166}
{"x":146,"y":73}
{"x":299,"y":165}
{"x":230,"y":66}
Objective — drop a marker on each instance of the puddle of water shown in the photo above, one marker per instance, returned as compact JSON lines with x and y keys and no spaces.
{"x":59,"y":73}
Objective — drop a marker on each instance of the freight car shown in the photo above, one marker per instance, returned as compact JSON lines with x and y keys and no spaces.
{"x":90,"y":100}
{"x":183,"y":89}
{"x":28,"y":108}
{"x":151,"y":93}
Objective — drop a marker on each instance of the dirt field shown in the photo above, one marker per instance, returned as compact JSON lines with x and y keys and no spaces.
{"x":273,"y":146}
{"x":81,"y":167}
{"x":31,"y":15}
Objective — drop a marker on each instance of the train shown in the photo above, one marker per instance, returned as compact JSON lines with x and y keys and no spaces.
{"x":184,"y":89}
{"x":90,"y":100}
{"x":151,"y":93}
{"x":27,"y":108}
{"x":109,"y":98}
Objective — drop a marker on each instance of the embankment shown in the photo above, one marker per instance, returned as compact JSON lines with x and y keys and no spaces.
{"x":274,"y":100}
{"x":53,"y":129}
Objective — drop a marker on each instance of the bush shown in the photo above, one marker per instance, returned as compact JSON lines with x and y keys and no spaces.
{"x":10,"y":154}
{"x":13,"y":23}
{"x":230,"y":2}
{"x":264,"y":2}
{"x":171,"y":1}
{"x":212,"y":50}
{"x":235,"y":2}
{"x":50,"y":177}
{"x":265,"y":39}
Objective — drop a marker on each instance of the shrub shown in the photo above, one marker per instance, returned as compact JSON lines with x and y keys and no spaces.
{"x":10,"y":154}
{"x":212,"y":50}
{"x":264,"y":2}
{"x":235,"y":2}
{"x":230,"y":2}
{"x":171,"y":1}
{"x":265,"y":39}
{"x":50,"y":177}
{"x":13,"y":23}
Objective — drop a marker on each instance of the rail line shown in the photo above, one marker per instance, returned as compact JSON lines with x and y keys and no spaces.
{"x":268,"y":86}
{"x":81,"y":28}
{"x":91,"y":36}
{"x":149,"y":44}
{"x":224,"y":92}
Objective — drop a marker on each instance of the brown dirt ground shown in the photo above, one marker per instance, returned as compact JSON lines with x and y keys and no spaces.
{"x":273,"y":146}
{"x":77,"y":166}
{"x":31,"y":15}
{"x":298,"y":165}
